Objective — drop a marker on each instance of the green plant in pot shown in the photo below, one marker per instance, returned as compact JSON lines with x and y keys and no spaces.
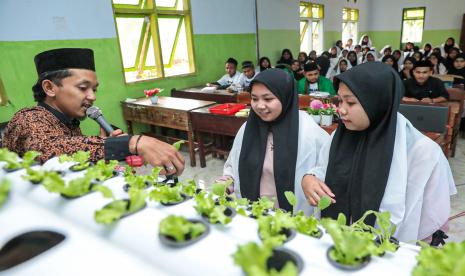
{"x":206,"y":207}
{"x":36,"y":176}
{"x":351,"y":249}
{"x":383,"y":233}
{"x":261,"y":259}
{"x":13,"y":162}
{"x":74,"y":188}
{"x":446,"y":260}
{"x":102,"y":170}
{"x":261,"y":207}
{"x":280,"y":227}
{"x":178,"y":231}
{"x":167,"y":195}
{"x":119,"y":208}
{"x":81,"y":158}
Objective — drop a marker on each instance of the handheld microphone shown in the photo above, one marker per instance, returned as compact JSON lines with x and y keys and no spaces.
{"x":94,"y":113}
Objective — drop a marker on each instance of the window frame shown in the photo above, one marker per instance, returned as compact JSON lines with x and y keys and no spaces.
{"x":148,"y":9}
{"x":308,"y":21}
{"x":345,"y":22}
{"x":404,"y":11}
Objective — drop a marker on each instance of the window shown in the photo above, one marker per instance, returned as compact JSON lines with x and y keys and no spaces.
{"x":413,"y":20}
{"x":3,"y":98}
{"x":311,"y":27}
{"x":155,"y":38}
{"x":349,"y":25}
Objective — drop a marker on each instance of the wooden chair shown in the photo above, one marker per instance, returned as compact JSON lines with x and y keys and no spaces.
{"x":456,"y":103}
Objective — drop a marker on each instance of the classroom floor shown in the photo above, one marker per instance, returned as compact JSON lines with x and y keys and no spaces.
{"x":456,"y":232}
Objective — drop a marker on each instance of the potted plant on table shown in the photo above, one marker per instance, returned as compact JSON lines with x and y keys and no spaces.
{"x":153,"y":94}
{"x":327,"y":112}
{"x":314,"y":110}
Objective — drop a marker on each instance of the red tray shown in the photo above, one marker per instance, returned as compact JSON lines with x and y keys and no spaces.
{"x":227,"y":108}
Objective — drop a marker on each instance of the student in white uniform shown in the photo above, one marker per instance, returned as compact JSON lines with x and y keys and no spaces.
{"x":230,"y":77}
{"x":277,"y":144}
{"x":246,"y":77}
{"x":376,"y":159}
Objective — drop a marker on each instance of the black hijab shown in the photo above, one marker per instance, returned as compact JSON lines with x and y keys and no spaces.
{"x":459,"y":72}
{"x":283,"y":60}
{"x":360,"y":161}
{"x":285,"y":131}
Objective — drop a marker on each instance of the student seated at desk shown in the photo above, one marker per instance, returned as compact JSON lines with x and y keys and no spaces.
{"x":314,"y":82}
{"x":407,"y":66}
{"x":376,"y":159}
{"x":230,"y":77}
{"x":459,"y":68}
{"x":423,"y":86}
{"x":438,"y":66}
{"x":276,"y":145}
{"x":263,"y":64}
{"x":297,"y":70}
{"x":286,"y":57}
{"x":246,"y":77}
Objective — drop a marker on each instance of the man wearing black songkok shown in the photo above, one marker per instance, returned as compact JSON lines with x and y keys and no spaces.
{"x":65,"y":89}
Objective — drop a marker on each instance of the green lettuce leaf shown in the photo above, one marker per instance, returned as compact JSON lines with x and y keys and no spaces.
{"x":5,"y":186}
{"x":105,"y":191}
{"x":290,"y":198}
{"x":178,"y":227}
{"x":166,"y":194}
{"x":111,"y":212}
{"x":137,"y":199}
{"x":178,"y":144}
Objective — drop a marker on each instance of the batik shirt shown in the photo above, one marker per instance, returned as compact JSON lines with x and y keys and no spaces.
{"x":50,"y":132}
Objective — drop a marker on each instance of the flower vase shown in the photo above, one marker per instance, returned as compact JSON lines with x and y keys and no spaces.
{"x":154,"y":99}
{"x":326,"y":120}
{"x":316,"y":118}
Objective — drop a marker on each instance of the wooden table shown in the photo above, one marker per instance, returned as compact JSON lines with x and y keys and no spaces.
{"x":195,"y":93}
{"x":168,"y":112}
{"x":205,"y":122}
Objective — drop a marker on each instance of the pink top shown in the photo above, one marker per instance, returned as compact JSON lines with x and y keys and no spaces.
{"x":267,"y":184}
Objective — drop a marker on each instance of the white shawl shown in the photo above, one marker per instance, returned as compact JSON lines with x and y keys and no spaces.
{"x":311,"y":139}
{"x":419,"y":185}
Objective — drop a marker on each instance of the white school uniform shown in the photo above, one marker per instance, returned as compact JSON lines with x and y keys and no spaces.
{"x":228,"y":80}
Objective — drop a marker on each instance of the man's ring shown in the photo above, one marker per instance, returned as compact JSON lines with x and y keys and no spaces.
{"x":170,"y":168}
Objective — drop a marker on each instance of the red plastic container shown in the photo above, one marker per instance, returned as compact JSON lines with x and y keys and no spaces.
{"x":227,"y":108}
{"x":134,"y":160}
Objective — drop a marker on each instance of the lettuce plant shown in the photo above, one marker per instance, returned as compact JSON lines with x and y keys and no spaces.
{"x":275,"y":226}
{"x":180,"y":229}
{"x":35,"y":176}
{"x":205,"y":205}
{"x":306,"y":225}
{"x":252,"y":258}
{"x":261,"y":206}
{"x":119,"y":208}
{"x":166,"y":194}
{"x":384,"y":231}
{"x":79,"y":157}
{"x":350,"y":246}
{"x":53,"y":183}
{"x":102,"y":171}
{"x":178,"y":144}
{"x":447,"y":260}
{"x":5,"y":186}
{"x":13,"y":162}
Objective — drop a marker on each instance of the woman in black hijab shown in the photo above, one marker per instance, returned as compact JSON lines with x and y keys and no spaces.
{"x":264,"y":160}
{"x":286,"y":57}
{"x":376,"y":159}
{"x":264,"y":63}
{"x":458,"y":68}
{"x":391,"y":60}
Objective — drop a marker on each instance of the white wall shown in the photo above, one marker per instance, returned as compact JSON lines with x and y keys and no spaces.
{"x":278,"y":14}
{"x":223,"y":16}
{"x":440,"y":14}
{"x":24,"y":20}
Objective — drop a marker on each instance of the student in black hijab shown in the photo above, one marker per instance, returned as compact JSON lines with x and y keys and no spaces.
{"x":264,"y":63}
{"x":459,"y":68}
{"x":451,"y":55}
{"x":391,"y":60}
{"x":264,"y":160}
{"x":323,"y":63}
{"x":376,"y":159}
{"x":352,"y":58}
{"x":286,"y":57}
{"x":297,"y":70}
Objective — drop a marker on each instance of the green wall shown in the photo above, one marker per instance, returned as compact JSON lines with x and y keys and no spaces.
{"x":435,"y":37}
{"x":330,"y":38}
{"x":272,"y":42}
{"x":18,"y":72}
